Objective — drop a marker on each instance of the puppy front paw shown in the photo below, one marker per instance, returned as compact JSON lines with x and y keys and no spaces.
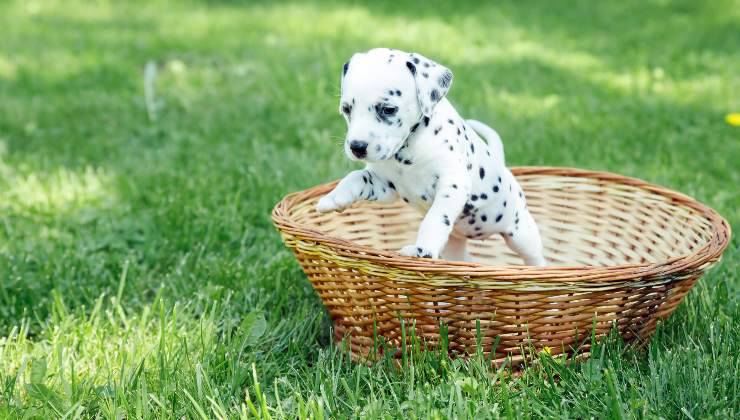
{"x":331,"y":202}
{"x":417,"y":251}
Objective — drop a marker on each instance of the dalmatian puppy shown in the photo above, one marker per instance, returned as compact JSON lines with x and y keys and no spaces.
{"x":417,"y":147}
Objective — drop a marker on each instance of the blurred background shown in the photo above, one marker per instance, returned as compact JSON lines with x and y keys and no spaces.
{"x":144,"y":143}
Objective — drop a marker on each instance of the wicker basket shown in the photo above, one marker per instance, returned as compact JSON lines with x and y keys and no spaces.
{"x":622,"y":252}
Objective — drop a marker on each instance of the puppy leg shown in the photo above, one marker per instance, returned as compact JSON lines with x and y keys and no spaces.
{"x":525,"y":241}
{"x":357,"y":185}
{"x":437,"y":224}
{"x":455,"y":250}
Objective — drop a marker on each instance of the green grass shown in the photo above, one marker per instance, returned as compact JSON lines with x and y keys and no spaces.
{"x":137,"y":257}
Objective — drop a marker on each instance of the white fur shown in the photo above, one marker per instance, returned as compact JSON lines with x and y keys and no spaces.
{"x":428,"y":155}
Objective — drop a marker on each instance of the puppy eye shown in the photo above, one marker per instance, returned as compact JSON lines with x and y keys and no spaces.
{"x":346,"y":109}
{"x":389,"y":110}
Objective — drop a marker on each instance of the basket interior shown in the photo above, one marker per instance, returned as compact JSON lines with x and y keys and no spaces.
{"x":583,"y":221}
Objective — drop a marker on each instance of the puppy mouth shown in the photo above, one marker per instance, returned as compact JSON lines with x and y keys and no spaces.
{"x":374,"y":156}
{"x":395,"y":150}
{"x":376,"y":153}
{"x":380,"y":153}
{"x":386,"y":155}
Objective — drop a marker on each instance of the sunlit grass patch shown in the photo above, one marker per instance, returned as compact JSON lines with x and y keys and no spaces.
{"x":122,"y":361}
{"x":56,"y":193}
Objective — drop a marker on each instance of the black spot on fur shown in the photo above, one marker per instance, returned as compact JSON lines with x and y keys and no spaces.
{"x":391,"y":185}
{"x":483,"y":217}
{"x":416,"y":60}
{"x":451,"y":148}
{"x":504,"y":203}
{"x":481,"y":172}
{"x":425,"y":74}
{"x":445,"y":79}
{"x":450,"y":121}
{"x":498,"y":218}
{"x":445,"y":220}
{"x":426,"y":64}
{"x":411,"y":67}
{"x":454,"y":186}
{"x":472,"y":148}
{"x":495,"y":188}
{"x":437,"y":130}
{"x":405,"y":199}
{"x":345,"y":68}
{"x":483,"y":197}
{"x":474,"y":197}
{"x":398,"y":92}
{"x":407,"y":162}
{"x":426,"y":121}
{"x":434,"y":96}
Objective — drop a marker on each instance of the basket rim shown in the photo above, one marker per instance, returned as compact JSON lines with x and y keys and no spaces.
{"x":709,"y":253}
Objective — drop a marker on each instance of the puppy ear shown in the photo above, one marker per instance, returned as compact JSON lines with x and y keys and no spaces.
{"x":345,"y":67}
{"x":433,"y":81}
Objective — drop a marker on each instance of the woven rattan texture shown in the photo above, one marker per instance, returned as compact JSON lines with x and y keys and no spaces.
{"x":620,"y":251}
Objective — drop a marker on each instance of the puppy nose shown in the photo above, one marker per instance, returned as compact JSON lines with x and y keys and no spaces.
{"x":358,"y":148}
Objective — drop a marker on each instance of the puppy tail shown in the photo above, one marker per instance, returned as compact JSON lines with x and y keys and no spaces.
{"x":491,"y":137}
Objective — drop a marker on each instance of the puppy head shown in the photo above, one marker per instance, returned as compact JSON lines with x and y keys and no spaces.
{"x":385,"y":94}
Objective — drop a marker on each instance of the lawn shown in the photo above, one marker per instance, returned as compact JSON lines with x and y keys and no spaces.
{"x":140,"y":275}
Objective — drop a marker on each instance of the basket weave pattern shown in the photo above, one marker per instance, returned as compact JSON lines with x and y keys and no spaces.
{"x":620,"y":251}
